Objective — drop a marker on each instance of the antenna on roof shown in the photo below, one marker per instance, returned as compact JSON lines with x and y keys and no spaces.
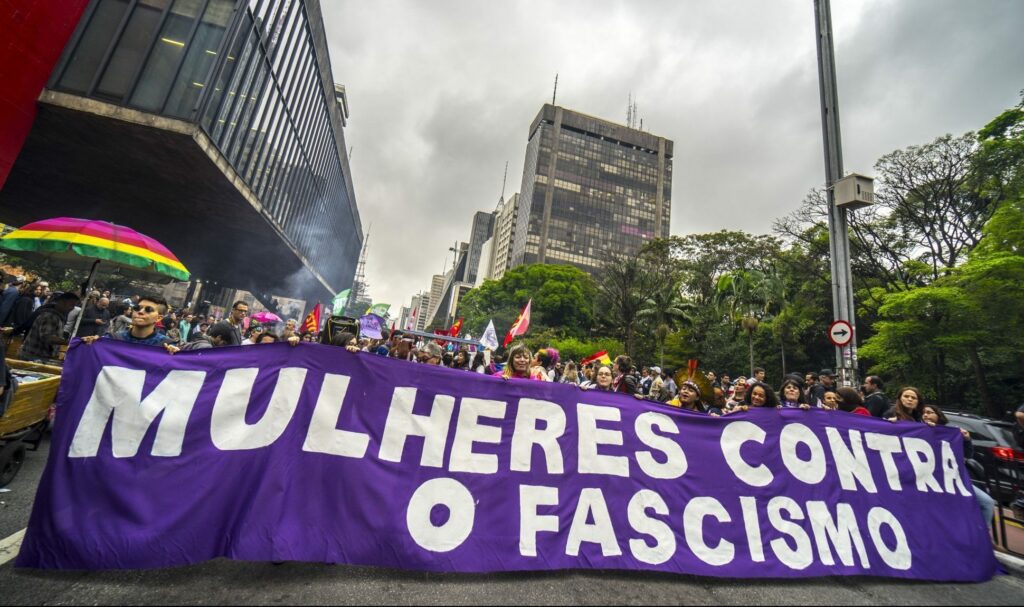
{"x":554,"y":95}
{"x":629,"y":110}
{"x":502,"y":199}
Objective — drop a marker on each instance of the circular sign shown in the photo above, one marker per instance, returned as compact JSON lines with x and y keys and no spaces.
{"x":840,"y":333}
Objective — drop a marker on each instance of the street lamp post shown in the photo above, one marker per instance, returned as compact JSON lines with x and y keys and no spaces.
{"x":839,"y":238}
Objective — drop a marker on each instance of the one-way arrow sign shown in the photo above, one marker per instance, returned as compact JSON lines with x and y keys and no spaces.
{"x":840,"y":333}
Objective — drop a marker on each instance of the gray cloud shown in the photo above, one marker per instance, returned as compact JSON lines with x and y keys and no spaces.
{"x":443,"y":92}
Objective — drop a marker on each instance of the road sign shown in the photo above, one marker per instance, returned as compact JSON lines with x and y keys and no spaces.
{"x":841,"y":333}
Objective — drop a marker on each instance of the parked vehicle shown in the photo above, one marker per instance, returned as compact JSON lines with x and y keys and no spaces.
{"x":996,"y":450}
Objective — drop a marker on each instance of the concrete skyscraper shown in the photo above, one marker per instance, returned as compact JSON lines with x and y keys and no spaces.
{"x":590,"y":188}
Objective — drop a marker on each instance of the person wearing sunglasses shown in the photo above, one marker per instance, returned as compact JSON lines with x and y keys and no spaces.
{"x":145,"y":315}
{"x":239,"y":310}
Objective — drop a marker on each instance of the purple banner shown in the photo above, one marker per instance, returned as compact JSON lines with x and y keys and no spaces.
{"x":312,"y":453}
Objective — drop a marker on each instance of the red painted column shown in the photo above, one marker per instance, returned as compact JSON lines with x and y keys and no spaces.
{"x":32,"y":37}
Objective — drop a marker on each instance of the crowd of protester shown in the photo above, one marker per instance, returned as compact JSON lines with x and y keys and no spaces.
{"x":46,"y":321}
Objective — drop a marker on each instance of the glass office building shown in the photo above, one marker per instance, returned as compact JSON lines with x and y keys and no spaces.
{"x":590,"y":188}
{"x":254,"y":76}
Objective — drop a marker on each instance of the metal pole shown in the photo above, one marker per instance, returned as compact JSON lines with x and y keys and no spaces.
{"x":839,"y":238}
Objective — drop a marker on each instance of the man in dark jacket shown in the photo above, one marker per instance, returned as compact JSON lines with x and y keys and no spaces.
{"x":95,"y":318}
{"x":875,"y":399}
{"x":47,"y":332}
{"x":8,"y":299}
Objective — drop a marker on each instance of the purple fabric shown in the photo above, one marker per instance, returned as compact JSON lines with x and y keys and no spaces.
{"x":371,"y":326}
{"x":252,"y":479}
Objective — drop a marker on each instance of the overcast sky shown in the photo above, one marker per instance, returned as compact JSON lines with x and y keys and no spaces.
{"x":442,"y":94}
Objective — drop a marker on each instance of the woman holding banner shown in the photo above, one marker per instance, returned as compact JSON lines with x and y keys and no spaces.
{"x":908,"y":407}
{"x":518,"y":366}
{"x":603,"y":380}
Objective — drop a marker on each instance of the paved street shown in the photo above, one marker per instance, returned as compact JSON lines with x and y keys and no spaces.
{"x":228,"y":582}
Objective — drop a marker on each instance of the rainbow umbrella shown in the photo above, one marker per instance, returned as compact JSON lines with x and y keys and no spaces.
{"x":85,"y":243}
{"x":81,"y":243}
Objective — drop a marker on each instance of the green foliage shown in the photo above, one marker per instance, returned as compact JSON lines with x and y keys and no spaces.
{"x":572,"y":348}
{"x":563,"y":299}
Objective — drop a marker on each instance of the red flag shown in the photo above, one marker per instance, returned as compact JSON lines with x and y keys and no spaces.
{"x":312,"y":323}
{"x":441,"y":342}
{"x":455,"y":328}
{"x":392,"y":326}
{"x":521,"y":324}
{"x":599,"y":356}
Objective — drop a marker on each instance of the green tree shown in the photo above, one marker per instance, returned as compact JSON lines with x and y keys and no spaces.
{"x":967,"y":319}
{"x":663,"y":311}
{"x":563,"y":299}
{"x":626,"y":282}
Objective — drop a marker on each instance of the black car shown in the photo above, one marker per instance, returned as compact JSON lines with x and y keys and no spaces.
{"x":996,"y":450}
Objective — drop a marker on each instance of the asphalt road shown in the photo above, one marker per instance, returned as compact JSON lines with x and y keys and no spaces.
{"x":240,"y":583}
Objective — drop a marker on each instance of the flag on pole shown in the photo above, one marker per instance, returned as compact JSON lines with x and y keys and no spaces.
{"x":379,"y":309}
{"x":412,"y":319}
{"x":455,"y":329}
{"x":521,"y":324}
{"x":312,"y":323}
{"x":490,"y":338}
{"x":601,"y":357}
{"x":339,"y":302}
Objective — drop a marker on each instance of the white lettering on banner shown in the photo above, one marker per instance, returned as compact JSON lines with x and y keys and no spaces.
{"x":811,"y":471}
{"x":675,"y":460}
{"x":842,"y":532}
{"x":952,"y":478}
{"x":469,"y":430}
{"x":118,"y":392}
{"x":228,"y":428}
{"x":450,"y":534}
{"x":526,"y":435}
{"x":590,"y":437}
{"x":531,"y":523}
{"x":693,"y":527}
{"x":402,"y":423}
{"x":752,"y":524}
{"x":802,"y":556}
{"x":922,"y":458}
{"x":324,"y":436}
{"x":887,"y":446}
{"x":664,"y":539}
{"x":900,"y":557}
{"x":592,"y":505}
{"x":851,"y":463}
{"x":733,"y":437}
{"x":829,"y":536}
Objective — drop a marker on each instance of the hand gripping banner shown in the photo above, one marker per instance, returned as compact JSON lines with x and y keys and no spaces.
{"x":313,"y":453}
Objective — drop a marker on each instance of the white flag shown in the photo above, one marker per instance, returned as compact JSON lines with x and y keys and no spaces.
{"x":490,"y":338}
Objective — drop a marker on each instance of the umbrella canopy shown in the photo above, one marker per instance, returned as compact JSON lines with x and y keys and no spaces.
{"x":77,"y":243}
{"x":266,"y":317}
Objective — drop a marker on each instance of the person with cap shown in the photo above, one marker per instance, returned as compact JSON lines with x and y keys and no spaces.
{"x":657,"y":390}
{"x":46,"y":336}
{"x":826,"y":381}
